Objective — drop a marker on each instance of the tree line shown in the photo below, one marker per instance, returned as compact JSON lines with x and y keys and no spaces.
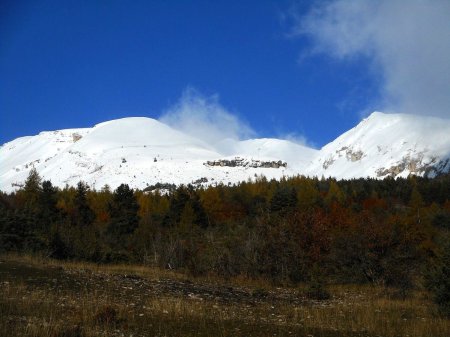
{"x":391,"y":232}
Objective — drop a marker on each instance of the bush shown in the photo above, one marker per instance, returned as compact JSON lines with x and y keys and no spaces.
{"x":74,"y":331}
{"x":316,"y":289}
{"x":107,"y":316}
{"x":438,"y":281}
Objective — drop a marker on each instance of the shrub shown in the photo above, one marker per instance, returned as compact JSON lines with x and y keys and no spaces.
{"x":438,"y":281}
{"x":316,"y":289}
{"x":107,"y":316}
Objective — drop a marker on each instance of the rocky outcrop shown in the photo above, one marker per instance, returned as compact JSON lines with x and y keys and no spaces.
{"x":76,"y":137}
{"x":354,"y":155}
{"x":241,"y":162}
{"x":348,"y":152}
{"x":416,"y":166}
{"x":161,"y":187}
{"x":200,"y":181}
{"x":327,"y":163}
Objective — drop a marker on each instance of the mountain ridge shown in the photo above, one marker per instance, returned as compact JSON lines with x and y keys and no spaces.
{"x":142,"y":152}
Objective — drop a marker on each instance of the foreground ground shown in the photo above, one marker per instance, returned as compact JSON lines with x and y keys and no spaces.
{"x":55,"y":299}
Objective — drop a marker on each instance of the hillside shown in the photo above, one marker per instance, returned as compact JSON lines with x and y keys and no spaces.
{"x":142,"y":152}
{"x":385,"y":145}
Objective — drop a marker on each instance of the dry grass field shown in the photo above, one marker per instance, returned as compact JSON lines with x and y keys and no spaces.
{"x":41,"y":297}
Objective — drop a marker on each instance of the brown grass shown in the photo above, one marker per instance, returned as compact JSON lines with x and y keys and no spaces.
{"x":40,"y":297}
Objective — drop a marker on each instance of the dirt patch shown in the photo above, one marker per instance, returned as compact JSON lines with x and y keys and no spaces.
{"x":40,"y":299}
{"x":136,"y":288}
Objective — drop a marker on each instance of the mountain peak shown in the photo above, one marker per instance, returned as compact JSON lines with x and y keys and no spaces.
{"x":142,"y":151}
{"x":376,"y":114}
{"x":130,"y":121}
{"x":387,"y":145}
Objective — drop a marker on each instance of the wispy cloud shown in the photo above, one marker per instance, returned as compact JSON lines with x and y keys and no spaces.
{"x":297,"y":138}
{"x":205,"y":118}
{"x":406,"y":43}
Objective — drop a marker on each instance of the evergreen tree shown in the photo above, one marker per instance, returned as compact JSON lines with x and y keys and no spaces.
{"x":32,"y":188}
{"x":123,"y":212}
{"x":334,"y":194}
{"x":16,"y":232}
{"x":186,"y":197}
{"x":8,"y":238}
{"x":200,"y":217}
{"x":83,"y":214}
{"x":48,"y":212}
{"x":439,"y":281}
{"x":308,"y":196}
{"x":21,"y":223}
{"x":57,"y":247}
{"x":284,"y":199}
{"x":177,"y":204}
{"x":416,"y":203}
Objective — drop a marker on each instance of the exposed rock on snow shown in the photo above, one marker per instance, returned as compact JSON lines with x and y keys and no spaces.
{"x":385,"y":145}
{"x":238,"y":161}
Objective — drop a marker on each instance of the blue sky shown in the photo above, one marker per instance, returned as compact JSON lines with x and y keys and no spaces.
{"x":268,"y":64}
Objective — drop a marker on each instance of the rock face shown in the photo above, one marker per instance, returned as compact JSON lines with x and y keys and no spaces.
{"x":416,"y":166}
{"x":76,"y":137}
{"x":242,"y":162}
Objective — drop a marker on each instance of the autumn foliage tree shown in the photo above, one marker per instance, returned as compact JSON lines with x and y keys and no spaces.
{"x":316,"y":231}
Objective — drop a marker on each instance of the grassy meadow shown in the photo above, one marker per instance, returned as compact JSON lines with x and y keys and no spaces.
{"x":43,"y":297}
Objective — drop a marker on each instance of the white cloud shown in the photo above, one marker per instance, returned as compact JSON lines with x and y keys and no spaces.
{"x":205,"y":118}
{"x":297,"y":138}
{"x":406,"y":42}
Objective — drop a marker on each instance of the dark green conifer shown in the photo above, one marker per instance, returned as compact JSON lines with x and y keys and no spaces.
{"x":83,"y":214}
{"x":284,"y":199}
{"x":438,"y":281}
{"x":123,"y":210}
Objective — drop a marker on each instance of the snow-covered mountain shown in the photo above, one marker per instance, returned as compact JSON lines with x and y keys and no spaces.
{"x":387,"y":145}
{"x":142,"y":152}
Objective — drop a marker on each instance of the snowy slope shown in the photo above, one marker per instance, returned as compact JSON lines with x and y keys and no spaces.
{"x":18,"y":156}
{"x":298,"y":156}
{"x":387,"y":145}
{"x":141,"y":152}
